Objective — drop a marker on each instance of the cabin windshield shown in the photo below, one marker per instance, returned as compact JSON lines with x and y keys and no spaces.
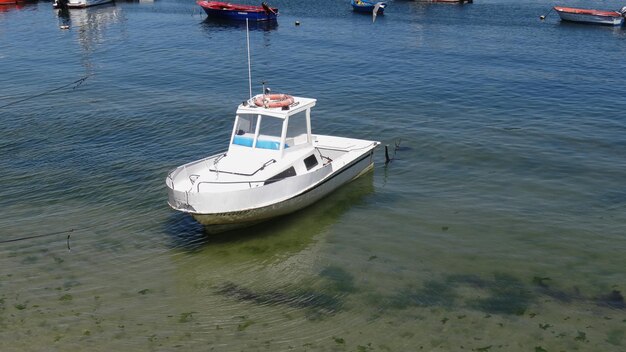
{"x":246,"y":125}
{"x":297,"y":130}
{"x":270,"y":127}
{"x":269,"y":133}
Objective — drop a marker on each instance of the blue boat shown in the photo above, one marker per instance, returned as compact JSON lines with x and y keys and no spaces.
{"x":368,"y":6}
{"x":219,"y":9}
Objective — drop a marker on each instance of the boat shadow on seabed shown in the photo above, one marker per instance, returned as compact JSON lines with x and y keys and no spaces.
{"x":299,"y":227}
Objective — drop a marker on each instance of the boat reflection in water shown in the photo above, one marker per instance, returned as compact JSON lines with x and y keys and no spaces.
{"x":91,"y":25}
{"x":72,"y":4}
{"x":211,"y":23}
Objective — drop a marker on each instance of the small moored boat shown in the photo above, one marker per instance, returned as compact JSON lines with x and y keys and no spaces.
{"x":368,"y":6}
{"x":230,"y":11}
{"x":8,"y":5}
{"x":78,"y":3}
{"x":614,"y":18}
{"x":274,"y":165}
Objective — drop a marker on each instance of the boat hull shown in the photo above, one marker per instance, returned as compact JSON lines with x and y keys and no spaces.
{"x":610,"y":18}
{"x":367,"y":7}
{"x":219,"y":201}
{"x":237,"y":219}
{"x":238,"y":12}
{"x":240,"y":15}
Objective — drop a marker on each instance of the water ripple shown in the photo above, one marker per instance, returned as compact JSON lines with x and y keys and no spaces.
{"x":502,"y":210}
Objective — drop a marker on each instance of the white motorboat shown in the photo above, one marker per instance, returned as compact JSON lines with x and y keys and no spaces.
{"x":78,"y":3}
{"x":614,"y":18}
{"x":274,"y":165}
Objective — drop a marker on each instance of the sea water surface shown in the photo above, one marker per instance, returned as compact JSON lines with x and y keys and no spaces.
{"x":500,"y":224}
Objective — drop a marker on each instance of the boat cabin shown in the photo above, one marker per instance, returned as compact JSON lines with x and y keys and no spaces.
{"x":274,"y":131}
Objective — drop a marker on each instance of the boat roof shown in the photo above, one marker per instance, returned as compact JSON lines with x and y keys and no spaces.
{"x":300,"y":104}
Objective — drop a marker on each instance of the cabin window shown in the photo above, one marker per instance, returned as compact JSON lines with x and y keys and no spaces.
{"x":287,"y":173}
{"x":244,"y":133}
{"x":297,"y":129}
{"x":310,"y":162}
{"x":270,"y":133}
{"x":246,"y":124}
{"x":271,"y":127}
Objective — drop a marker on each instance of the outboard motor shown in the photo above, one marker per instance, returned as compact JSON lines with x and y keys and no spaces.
{"x":623,"y":11}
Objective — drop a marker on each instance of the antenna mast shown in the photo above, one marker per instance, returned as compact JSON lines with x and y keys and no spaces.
{"x":249,"y":70}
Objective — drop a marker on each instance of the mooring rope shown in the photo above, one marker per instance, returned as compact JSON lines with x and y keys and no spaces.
{"x":68,"y":232}
{"x":77,"y":83}
{"x":37,"y":236}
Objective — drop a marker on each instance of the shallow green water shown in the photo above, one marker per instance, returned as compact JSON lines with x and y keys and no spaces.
{"x":499,"y":226}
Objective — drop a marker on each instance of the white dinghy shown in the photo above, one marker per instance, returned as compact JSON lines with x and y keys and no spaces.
{"x":274,"y":165}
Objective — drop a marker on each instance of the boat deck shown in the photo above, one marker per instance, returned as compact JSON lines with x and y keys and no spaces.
{"x":217,"y":172}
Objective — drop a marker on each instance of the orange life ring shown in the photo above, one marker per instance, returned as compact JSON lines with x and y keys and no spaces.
{"x":274,"y":100}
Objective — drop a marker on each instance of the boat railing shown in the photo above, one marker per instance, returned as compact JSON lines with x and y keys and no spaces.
{"x":249,"y":182}
{"x":347,"y":148}
{"x":170,"y":179}
{"x":267,"y":163}
{"x":173,"y":173}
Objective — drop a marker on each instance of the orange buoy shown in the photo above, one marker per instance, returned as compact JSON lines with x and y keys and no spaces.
{"x":274,"y":100}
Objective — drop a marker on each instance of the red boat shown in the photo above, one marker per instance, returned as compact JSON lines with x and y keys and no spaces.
{"x":239,"y":12}
{"x":8,"y":5}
